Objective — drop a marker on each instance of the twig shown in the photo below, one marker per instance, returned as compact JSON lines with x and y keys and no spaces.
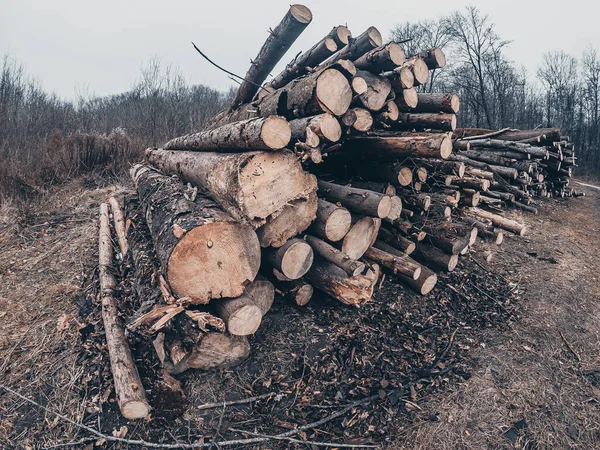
{"x":298,"y":441}
{"x":235,"y":402}
{"x":569,"y":346}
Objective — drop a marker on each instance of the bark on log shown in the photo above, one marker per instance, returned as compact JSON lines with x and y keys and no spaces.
{"x":500,"y":221}
{"x":470,"y":197}
{"x":382,"y":188}
{"x":442,"y":166}
{"x":348,"y":119}
{"x":322,"y":249}
{"x":389,"y":113}
{"x":215,"y":351}
{"x":505,"y":172}
{"x":381,"y":59}
{"x":298,"y":291}
{"x":361,"y":236}
{"x":545,"y":134}
{"x":325,"y":126}
{"x":364,"y":120}
{"x":366,"y":41}
{"x":406,"y":101}
{"x":427,"y":145}
{"x":430,"y":254}
{"x":450,"y":237}
{"x":393,"y":173}
{"x":435,"y":103}
{"x":314,"y":56}
{"x":277,"y":44}
{"x":377,"y":92}
{"x":434,"y":58}
{"x":498,"y":144}
{"x":400,"y":78}
{"x":241,"y":315}
{"x":249,"y":186}
{"x":423,"y":121}
{"x":202,"y":250}
{"x":396,"y":240}
{"x":332,"y":222}
{"x":119,"y":223}
{"x":478,"y":184}
{"x":403,"y":265}
{"x":418,"y":201}
{"x":356,"y":200}
{"x":487,"y":157}
{"x":130,"y":392}
{"x":478,"y":173}
{"x":293,"y":259}
{"x":419,"y":69}
{"x":262,"y":293}
{"x":271,"y":133}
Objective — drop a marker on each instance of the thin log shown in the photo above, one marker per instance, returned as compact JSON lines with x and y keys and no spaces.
{"x":321,"y":248}
{"x":427,"y":145}
{"x":397,"y":264}
{"x":332,"y":222}
{"x":293,"y":259}
{"x":407,"y":100}
{"x":430,"y":254}
{"x":396,"y":240}
{"x":262,"y":293}
{"x":120,"y":228}
{"x":361,"y":236}
{"x":434,"y":58}
{"x":356,"y":200}
{"x":325,"y":126}
{"x":368,"y":40}
{"x":500,"y":221}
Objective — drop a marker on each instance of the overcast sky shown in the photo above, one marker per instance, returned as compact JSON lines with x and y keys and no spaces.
{"x":98,"y":47}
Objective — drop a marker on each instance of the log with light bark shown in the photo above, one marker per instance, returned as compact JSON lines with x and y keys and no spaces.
{"x":499,"y":221}
{"x":406,"y":101}
{"x":325,"y":126}
{"x":396,"y":240}
{"x":203,"y":252}
{"x":359,"y":201}
{"x":400,"y":78}
{"x":271,"y":133}
{"x":427,"y":145}
{"x":293,"y":259}
{"x":329,"y":278}
{"x":120,"y":228}
{"x":277,"y":44}
{"x":381,"y":59}
{"x":376,"y":92}
{"x":505,"y":172}
{"x":262,"y":293}
{"x":431,"y":255}
{"x":242,"y":316}
{"x":368,"y":40}
{"x":332,"y":221}
{"x":249,"y":186}
{"x":436,"y":103}
{"x":361,"y":236}
{"x":130,"y":393}
{"x":433,"y":57}
{"x":322,"y":249}
{"x":337,"y":38}
{"x":399,"y":264}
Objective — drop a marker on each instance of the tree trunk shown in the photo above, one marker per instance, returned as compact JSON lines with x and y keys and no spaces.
{"x":332,"y":222}
{"x":396,"y":240}
{"x":392,"y":172}
{"x":203,"y":251}
{"x":277,"y":44}
{"x":325,"y":126}
{"x":430,"y":254}
{"x":361,"y":236}
{"x":381,"y":59}
{"x":241,"y":315}
{"x":130,"y":392}
{"x":426,"y":145}
{"x":359,"y":201}
{"x":397,"y":264}
{"x":249,"y":186}
{"x":434,"y":58}
{"x":271,"y":133}
{"x":377,"y":92}
{"x":321,"y":248}
{"x":357,"y":47}
{"x":293,"y":259}
{"x":437,"y":103}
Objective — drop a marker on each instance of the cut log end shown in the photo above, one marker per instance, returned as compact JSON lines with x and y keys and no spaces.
{"x":360,"y":237}
{"x":334,"y":92}
{"x":364,"y":120}
{"x":420,"y":71}
{"x":342,"y":35}
{"x":446,"y":146}
{"x":410,"y":97}
{"x":405,"y":176}
{"x":396,"y":53}
{"x":330,"y":128}
{"x":245,"y":320}
{"x":135,"y":410}
{"x":428,"y":283}
{"x":338,"y":224}
{"x":375,"y":36}
{"x":301,"y":13}
{"x":276,"y":132}
{"x":304,"y":294}
{"x":297,"y":260}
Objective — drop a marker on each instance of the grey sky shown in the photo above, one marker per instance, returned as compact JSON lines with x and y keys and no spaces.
{"x":98,"y":47}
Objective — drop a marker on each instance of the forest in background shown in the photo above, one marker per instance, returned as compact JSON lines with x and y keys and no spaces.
{"x":45,"y":140}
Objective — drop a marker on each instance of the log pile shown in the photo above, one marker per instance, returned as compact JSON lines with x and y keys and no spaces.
{"x":335,"y":169}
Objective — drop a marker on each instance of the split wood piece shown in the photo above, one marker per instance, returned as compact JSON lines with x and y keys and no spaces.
{"x":299,"y":291}
{"x":130,"y":392}
{"x":436,"y":121}
{"x":249,"y":186}
{"x":505,"y":172}
{"x":470,"y":197}
{"x":434,"y":58}
{"x":314,"y":56}
{"x":294,"y":218}
{"x":214,"y":351}
{"x":277,"y":44}
{"x":378,"y":88}
{"x":364,"y":120}
{"x":426,"y":281}
{"x":293,"y":259}
{"x":497,"y":144}
{"x":478,"y":173}
{"x":418,"y":201}
{"x":321,"y":248}
{"x":419,"y":69}
{"x":119,"y":222}
{"x":381,"y":59}
{"x":443,"y":166}
{"x":325,"y":126}
{"x":332,"y":280}
{"x":406,"y":101}
{"x":430,"y":254}
{"x":360,"y":201}
{"x":389,"y":113}
{"x":332,"y":222}
{"x":398,"y":264}
{"x":400,"y":78}
{"x":479,"y":184}
{"x":241,"y":315}
{"x":271,"y":133}
{"x":368,"y":40}
{"x":500,"y":221}
{"x":262,"y":293}
{"x":322,"y":91}
{"x":450,"y":237}
{"x":396,"y":240}
{"x":361,"y":236}
{"x":203,"y":251}
{"x":434,"y":145}
{"x":436,"y":103}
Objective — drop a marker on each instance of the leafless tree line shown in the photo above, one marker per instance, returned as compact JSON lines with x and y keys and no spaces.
{"x":496,"y":93}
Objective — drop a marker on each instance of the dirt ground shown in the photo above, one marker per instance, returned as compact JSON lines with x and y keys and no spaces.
{"x":506,"y":356}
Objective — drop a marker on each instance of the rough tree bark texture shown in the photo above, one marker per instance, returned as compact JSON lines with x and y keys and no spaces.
{"x":381,"y":59}
{"x":360,"y":201}
{"x":434,"y":102}
{"x":202,"y":250}
{"x":424,"y":145}
{"x":321,"y":248}
{"x":332,"y":222}
{"x":366,"y":41}
{"x":293,"y":259}
{"x":377,"y":90}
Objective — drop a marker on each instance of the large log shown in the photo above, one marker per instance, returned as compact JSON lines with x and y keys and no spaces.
{"x":360,"y":201}
{"x":397,"y":264}
{"x":450,"y":237}
{"x":130,"y":392}
{"x":279,"y":41}
{"x":202,"y":250}
{"x":432,"y":145}
{"x":293,"y":259}
{"x":361,"y":236}
{"x":322,"y":50}
{"x":271,"y":133}
{"x":332,"y":222}
{"x":381,"y":59}
{"x":241,"y":315}
{"x":377,"y":90}
{"x":321,"y":248}
{"x":249,"y":186}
